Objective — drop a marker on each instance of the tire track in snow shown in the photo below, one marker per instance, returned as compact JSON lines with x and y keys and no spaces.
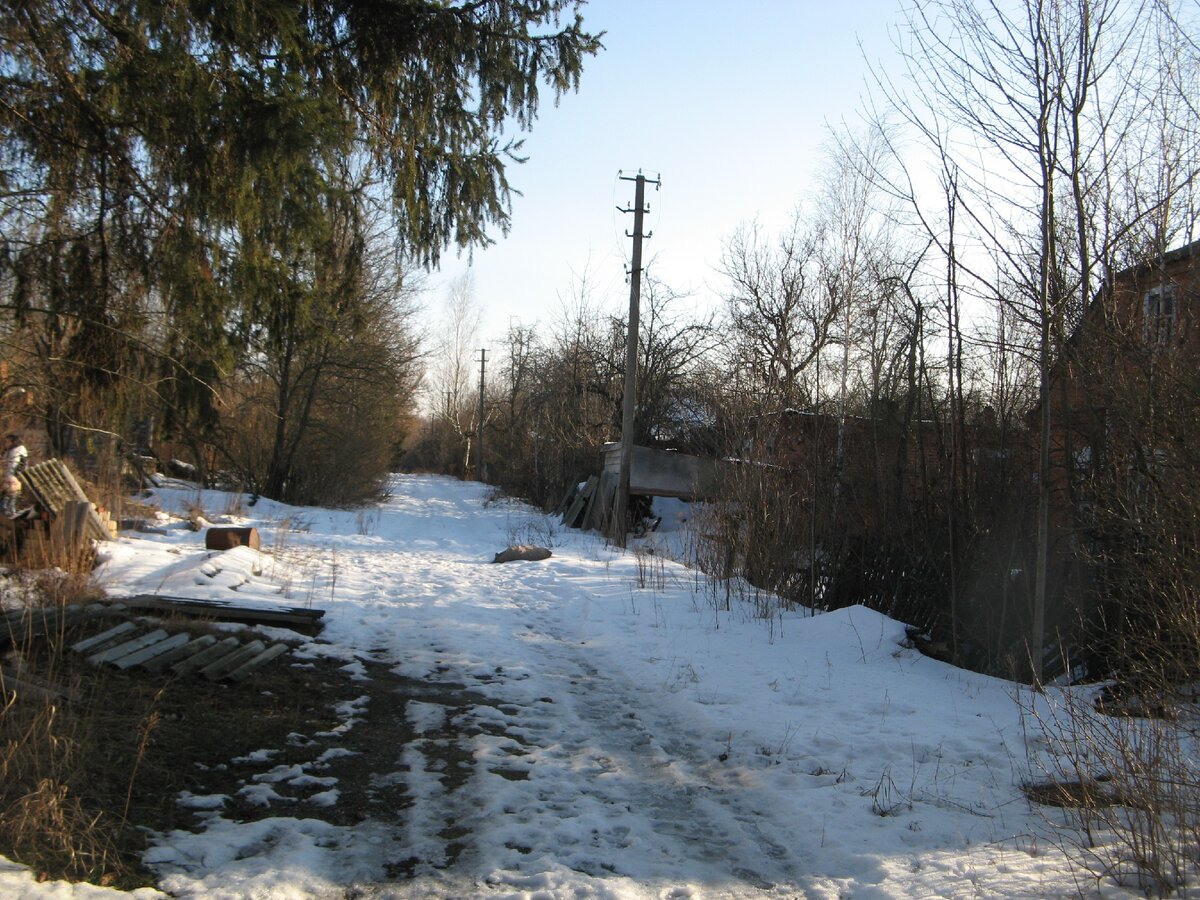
{"x":596,"y":774}
{"x":699,"y":808}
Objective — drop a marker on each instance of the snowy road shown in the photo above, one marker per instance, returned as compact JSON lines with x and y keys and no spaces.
{"x":570,"y":769}
{"x":594,"y":726}
{"x":588,"y":777}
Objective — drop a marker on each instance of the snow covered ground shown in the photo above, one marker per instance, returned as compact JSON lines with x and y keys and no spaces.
{"x":630,"y":739}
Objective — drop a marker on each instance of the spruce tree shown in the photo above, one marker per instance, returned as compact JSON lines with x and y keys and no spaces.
{"x":169,"y":170}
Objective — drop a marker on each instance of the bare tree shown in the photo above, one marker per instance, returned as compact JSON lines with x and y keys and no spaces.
{"x":780,"y":318}
{"x":855,"y":254}
{"x":450,"y":377}
{"x":672,"y":347}
{"x":1025,"y":107}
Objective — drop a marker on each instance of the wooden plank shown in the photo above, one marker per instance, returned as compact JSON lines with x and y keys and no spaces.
{"x":572,"y":517}
{"x":19,"y":624}
{"x":43,"y":620}
{"x":152,"y":650}
{"x":589,"y":508}
{"x":37,"y":480}
{"x":597,"y":507}
{"x":72,"y":524}
{"x":573,"y":507}
{"x":53,"y":486}
{"x":21,"y":673}
{"x":112,"y":654}
{"x":103,"y":637}
{"x":568,"y":494}
{"x":214,"y":670}
{"x":70,"y":487}
{"x":158,"y":651}
{"x":601,"y":505}
{"x":159,"y":601}
{"x":162,"y":662}
{"x":28,"y":484}
{"x":204,"y":657}
{"x":36,"y":621}
{"x":226,"y":611}
{"x":20,"y":614}
{"x":72,"y":613}
{"x":249,"y":668}
{"x":14,"y":687}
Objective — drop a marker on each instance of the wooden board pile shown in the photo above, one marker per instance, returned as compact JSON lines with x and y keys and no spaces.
{"x":126,"y":646}
{"x":129,"y":645}
{"x":297,"y":618}
{"x":52,"y":487}
{"x":590,"y":504}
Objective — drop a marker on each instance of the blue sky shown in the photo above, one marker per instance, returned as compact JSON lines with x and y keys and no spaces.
{"x":728,"y":103}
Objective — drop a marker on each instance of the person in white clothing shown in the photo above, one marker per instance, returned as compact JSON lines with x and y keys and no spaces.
{"x":15,"y":456}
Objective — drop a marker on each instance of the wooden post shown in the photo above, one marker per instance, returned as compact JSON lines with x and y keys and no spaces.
{"x":621,"y":512}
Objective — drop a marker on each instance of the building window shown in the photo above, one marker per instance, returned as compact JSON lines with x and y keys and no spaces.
{"x":1160,"y":315}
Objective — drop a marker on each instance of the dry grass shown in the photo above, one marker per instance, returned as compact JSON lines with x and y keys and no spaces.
{"x":82,"y":776}
{"x":1129,"y":788}
{"x":43,"y":822}
{"x":46,"y":820}
{"x":88,"y":767}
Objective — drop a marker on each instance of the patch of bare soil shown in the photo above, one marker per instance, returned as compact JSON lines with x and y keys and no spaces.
{"x":277,"y":744}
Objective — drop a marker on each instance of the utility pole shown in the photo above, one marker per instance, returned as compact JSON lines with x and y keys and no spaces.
{"x":621,"y":511}
{"x":480,"y":467}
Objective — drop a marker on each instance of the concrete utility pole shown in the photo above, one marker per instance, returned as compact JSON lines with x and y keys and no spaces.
{"x":621,"y":512}
{"x":480,"y":467}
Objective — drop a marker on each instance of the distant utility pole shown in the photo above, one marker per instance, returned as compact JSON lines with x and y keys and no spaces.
{"x":480,"y":467}
{"x":621,"y":512}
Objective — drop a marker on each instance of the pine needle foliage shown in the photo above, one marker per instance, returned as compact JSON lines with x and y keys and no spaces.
{"x":170,"y":172}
